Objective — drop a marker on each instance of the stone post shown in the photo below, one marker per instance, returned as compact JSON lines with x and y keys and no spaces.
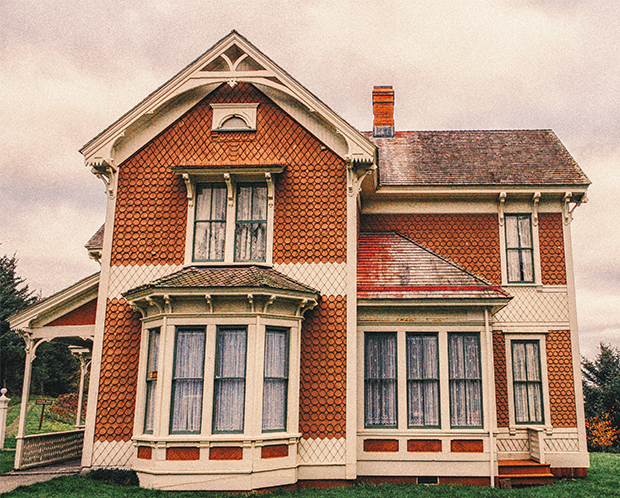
{"x":4,"y":407}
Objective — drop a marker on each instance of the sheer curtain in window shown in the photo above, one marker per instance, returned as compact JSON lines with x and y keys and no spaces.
{"x":251,"y":225}
{"x":151,"y":379}
{"x":422,"y":380}
{"x":527,"y":383}
{"x":465,"y":381}
{"x":229,"y":388}
{"x":187,"y":380}
{"x":275,"y":381}
{"x":210,"y":222}
{"x":380,"y":380}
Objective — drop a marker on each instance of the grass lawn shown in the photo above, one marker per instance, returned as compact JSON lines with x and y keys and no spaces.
{"x":7,"y":458}
{"x":604,"y":480}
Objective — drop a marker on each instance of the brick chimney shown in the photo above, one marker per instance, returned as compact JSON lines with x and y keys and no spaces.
{"x":383,"y":109}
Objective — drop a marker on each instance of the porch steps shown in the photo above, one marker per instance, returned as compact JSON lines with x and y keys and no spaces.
{"x":524,"y":473}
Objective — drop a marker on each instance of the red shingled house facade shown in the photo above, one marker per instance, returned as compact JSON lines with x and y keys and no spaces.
{"x":284,"y":299}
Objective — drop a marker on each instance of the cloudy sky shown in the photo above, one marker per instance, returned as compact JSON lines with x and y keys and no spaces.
{"x":68,"y":69}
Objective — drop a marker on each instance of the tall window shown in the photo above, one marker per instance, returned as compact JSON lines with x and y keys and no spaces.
{"x":275,"y":383}
{"x":380,"y":380}
{"x":251,"y":222}
{"x":465,"y":380}
{"x":527,"y":383}
{"x":229,"y":387}
{"x":519,"y":248}
{"x":187,"y":380}
{"x":151,"y":380}
{"x":422,"y":380}
{"x":210,"y":222}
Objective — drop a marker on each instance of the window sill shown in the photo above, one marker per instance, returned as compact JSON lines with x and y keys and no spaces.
{"x":174,"y":439}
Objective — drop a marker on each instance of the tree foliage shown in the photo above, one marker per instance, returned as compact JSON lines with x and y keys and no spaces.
{"x":54,"y":371}
{"x":601,"y":387}
{"x":14,"y":296}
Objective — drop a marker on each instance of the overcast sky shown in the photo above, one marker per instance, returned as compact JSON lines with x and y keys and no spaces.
{"x":68,"y":69}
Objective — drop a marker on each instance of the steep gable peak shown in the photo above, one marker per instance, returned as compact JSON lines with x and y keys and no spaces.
{"x":230,"y":61}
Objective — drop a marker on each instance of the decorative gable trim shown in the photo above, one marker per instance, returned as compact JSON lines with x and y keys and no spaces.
{"x":232,"y":60}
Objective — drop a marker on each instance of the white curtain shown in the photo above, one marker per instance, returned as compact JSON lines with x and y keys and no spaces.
{"x":187,"y":381}
{"x":422,"y":380}
{"x":527,"y":382}
{"x":465,"y":381}
{"x":151,"y":379}
{"x":230,"y":380}
{"x":251,"y":226}
{"x":380,"y":381}
{"x":210,"y":223}
{"x":275,"y":381}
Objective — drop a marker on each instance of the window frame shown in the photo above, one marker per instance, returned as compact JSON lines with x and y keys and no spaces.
{"x":424,"y":380}
{"x":173,"y":379}
{"x":219,"y":329}
{"x":541,"y":337}
{"x":393,"y":379}
{"x":232,"y":181}
{"x":287,"y":333}
{"x":527,"y":383}
{"x":479,"y":379}
{"x":150,"y":392}
{"x":211,"y":221}
{"x":520,"y":250}
{"x":442,"y":332}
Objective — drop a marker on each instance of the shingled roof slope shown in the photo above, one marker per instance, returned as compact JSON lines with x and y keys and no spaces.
{"x":96,"y":241}
{"x":392,"y":266}
{"x":226,"y":277}
{"x":485,"y":158}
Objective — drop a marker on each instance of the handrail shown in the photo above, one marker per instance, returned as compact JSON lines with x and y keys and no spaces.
{"x":41,"y":449}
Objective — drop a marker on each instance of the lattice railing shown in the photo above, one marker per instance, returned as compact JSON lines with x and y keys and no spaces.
{"x":43,"y":449}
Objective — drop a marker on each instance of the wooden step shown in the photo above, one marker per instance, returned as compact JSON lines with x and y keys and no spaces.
{"x":524,"y":473}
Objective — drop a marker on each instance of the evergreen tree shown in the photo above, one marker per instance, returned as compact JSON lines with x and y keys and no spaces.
{"x":601,"y":386}
{"x":14,"y":296}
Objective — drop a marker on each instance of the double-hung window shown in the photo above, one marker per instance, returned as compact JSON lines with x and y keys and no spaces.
{"x":151,"y":379}
{"x":527,"y":382}
{"x":465,"y":380}
{"x":519,"y":248}
{"x":229,"y":385}
{"x":275,"y":379}
{"x":422,"y":380}
{"x":380,"y":380}
{"x":230,"y":233}
{"x":187,"y":380}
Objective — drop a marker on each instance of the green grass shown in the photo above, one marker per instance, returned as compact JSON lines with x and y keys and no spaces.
{"x":51,"y":423}
{"x":603,"y":480}
{"x":7,"y":458}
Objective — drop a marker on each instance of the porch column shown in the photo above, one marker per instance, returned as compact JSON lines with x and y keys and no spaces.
{"x":31,"y":346}
{"x":83,"y":354}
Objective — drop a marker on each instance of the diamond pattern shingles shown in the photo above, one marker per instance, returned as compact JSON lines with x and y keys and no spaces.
{"x":237,"y":276}
{"x":489,"y":157}
{"x":393,"y":266}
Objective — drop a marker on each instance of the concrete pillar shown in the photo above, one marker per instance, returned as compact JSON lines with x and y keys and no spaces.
{"x":4,"y":407}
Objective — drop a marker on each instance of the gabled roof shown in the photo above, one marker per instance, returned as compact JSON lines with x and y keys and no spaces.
{"x":476,"y":158}
{"x":391,"y":266}
{"x":231,"y":60}
{"x":225,"y":277}
{"x":96,"y":241}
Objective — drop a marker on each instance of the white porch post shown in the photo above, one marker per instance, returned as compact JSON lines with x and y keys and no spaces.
{"x":4,"y":407}
{"x":31,"y":346}
{"x":83,"y":354}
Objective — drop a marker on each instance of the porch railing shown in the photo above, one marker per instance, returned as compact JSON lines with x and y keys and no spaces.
{"x":43,"y":449}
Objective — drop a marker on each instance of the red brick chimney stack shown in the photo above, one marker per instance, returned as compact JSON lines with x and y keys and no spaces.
{"x":383,"y":109}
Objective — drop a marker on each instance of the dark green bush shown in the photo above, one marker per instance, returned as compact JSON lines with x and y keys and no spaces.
{"x":115,"y":476}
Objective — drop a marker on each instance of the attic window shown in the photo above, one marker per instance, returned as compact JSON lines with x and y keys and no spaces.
{"x":234,"y":117}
